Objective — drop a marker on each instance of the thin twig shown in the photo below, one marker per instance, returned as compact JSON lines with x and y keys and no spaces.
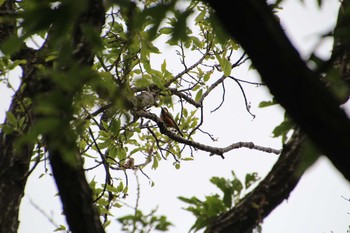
{"x":105,"y":164}
{"x":46,"y":215}
{"x":157,"y":141}
{"x":244,"y":96}
{"x":222,"y":99}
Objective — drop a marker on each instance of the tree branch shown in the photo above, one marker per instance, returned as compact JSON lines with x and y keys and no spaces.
{"x":270,"y":192}
{"x":212,"y":150}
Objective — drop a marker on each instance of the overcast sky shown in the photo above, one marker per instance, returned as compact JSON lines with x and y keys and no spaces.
{"x":315,"y":206}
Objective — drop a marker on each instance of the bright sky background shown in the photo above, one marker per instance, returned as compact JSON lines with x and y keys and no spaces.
{"x":315,"y":206}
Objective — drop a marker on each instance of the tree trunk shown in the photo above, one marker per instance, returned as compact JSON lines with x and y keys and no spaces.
{"x":15,"y":160}
{"x":74,"y":190}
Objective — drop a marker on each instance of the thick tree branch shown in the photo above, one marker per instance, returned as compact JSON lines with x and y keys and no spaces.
{"x":277,"y":185}
{"x":295,"y":86}
{"x":66,"y":163}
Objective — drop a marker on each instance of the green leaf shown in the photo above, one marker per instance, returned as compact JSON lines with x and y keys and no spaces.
{"x":135,"y":150}
{"x":155,"y":163}
{"x":207,"y":75}
{"x":199,"y":95}
{"x":16,"y":63}
{"x":226,"y":66}
{"x":145,"y":81}
{"x":51,"y":57}
{"x":264,"y":104}
{"x":250,"y":179}
{"x":166,"y":30}
{"x":121,"y":153}
{"x":61,"y":228}
{"x":111,"y":188}
{"x":187,"y":159}
{"x":103,"y":145}
{"x":11,"y":45}
{"x":200,"y":17}
{"x":163,"y":66}
{"x":158,"y":81}
{"x":120,"y":187}
{"x":7,"y":129}
{"x":282,"y":129}
{"x":112,"y":152}
{"x":11,"y":119}
{"x":115,"y":126}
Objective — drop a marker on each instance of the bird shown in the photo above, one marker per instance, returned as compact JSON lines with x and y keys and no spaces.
{"x":168,"y":120}
{"x":129,"y":163}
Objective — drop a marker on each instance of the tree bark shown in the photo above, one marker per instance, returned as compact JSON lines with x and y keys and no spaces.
{"x":74,"y":190}
{"x":15,"y":160}
{"x":14,"y":166}
{"x":297,"y":88}
{"x":270,"y":192}
{"x":66,"y":163}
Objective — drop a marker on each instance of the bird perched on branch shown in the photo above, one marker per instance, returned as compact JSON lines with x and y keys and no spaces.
{"x":168,"y":120}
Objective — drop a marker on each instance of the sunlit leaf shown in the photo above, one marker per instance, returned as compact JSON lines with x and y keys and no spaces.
{"x":199,"y":95}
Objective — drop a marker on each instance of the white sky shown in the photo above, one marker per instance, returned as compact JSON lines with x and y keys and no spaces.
{"x":314,"y":206}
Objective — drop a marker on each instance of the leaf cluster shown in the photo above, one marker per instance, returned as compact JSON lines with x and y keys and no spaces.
{"x":140,"y":222}
{"x":98,"y":110}
{"x":232,"y":190}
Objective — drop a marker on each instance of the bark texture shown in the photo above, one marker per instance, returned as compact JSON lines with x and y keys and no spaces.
{"x":66,"y":163}
{"x":270,"y":192}
{"x":15,"y":160}
{"x":75,"y":193}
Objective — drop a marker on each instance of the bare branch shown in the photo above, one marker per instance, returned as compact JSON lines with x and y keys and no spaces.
{"x":179,"y":75}
{"x":185,"y":97}
{"x":212,"y":150}
{"x":46,"y":215}
{"x":222,"y":99}
{"x":247,"y":106}
{"x":105,"y":164}
{"x":215,"y":84}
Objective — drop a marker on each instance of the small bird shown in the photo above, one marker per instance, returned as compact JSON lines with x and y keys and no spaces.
{"x":129,"y":163}
{"x":168,"y":120}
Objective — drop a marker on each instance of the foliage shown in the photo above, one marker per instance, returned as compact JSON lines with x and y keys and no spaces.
{"x":232,"y":191}
{"x":138,"y":222}
{"x":104,"y":109}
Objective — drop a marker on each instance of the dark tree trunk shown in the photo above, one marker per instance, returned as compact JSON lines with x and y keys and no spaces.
{"x":15,"y":160}
{"x":74,"y":190}
{"x":66,"y":163}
